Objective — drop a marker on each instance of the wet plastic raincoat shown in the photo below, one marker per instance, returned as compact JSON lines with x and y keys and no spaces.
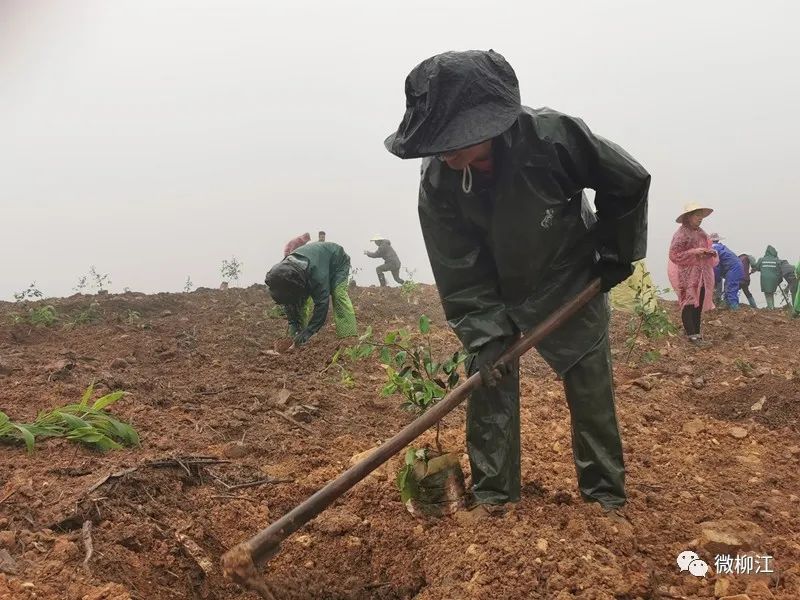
{"x":788,"y":275}
{"x":730,"y":271}
{"x":688,"y":272}
{"x":509,"y":249}
{"x":769,"y":265}
{"x":318,"y":270}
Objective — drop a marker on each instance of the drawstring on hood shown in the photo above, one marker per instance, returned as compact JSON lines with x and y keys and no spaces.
{"x":466,"y":180}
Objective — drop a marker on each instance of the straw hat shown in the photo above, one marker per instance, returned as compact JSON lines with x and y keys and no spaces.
{"x":691,"y":207}
{"x":377,"y":238}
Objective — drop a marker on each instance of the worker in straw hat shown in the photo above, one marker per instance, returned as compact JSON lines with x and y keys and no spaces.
{"x":391,"y":262}
{"x":728,"y":274}
{"x":691,"y":269}
{"x":511,"y":237}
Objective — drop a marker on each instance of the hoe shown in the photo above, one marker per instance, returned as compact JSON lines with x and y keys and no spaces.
{"x":241,"y":563}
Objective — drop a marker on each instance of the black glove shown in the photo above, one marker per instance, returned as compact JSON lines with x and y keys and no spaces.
{"x":491,"y":374}
{"x":611,"y":273}
{"x":301,"y":338}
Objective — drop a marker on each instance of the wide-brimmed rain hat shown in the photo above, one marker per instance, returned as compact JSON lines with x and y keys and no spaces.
{"x":691,"y":207}
{"x":456,"y":100}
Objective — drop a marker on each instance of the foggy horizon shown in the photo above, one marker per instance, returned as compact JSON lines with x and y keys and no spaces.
{"x":154,"y":140}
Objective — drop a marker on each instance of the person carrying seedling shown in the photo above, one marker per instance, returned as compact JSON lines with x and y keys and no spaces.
{"x":728,"y":274}
{"x":391,"y":262}
{"x":748,"y":262}
{"x":318,"y":271}
{"x":769,"y":266}
{"x":511,"y":237}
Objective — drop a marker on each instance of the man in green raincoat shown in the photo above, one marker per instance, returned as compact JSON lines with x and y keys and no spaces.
{"x":796,"y":312}
{"x":511,"y":237}
{"x":318,"y":271}
{"x":769,"y":265}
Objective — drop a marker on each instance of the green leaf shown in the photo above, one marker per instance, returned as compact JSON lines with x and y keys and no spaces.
{"x":125,"y":432}
{"x":386,"y":356}
{"x":391,"y":337}
{"x":73,"y":422}
{"x":107,"y":400}
{"x":406,"y":483}
{"x":87,"y":394}
{"x":410,"y":456}
{"x":27,"y":436}
{"x":452,"y":380}
{"x":424,"y":324}
{"x":389,"y":389}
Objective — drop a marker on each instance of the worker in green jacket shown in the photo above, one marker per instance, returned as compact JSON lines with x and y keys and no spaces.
{"x":796,"y":312}
{"x":769,"y":266}
{"x":318,"y":271}
{"x":511,"y":237}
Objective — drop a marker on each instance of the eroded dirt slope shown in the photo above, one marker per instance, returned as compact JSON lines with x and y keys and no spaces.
{"x":205,"y":393}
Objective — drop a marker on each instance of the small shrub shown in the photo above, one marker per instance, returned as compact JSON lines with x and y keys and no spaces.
{"x":101,"y":280}
{"x":30,"y":293}
{"x":82,"y":423}
{"x":412,"y":369}
{"x":87,"y":316}
{"x":43,"y":316}
{"x":650,"y":320}
{"x":231,"y":270}
{"x":409,"y":287}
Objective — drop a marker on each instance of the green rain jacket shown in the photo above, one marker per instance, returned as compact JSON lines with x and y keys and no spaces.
{"x":507,"y":256}
{"x":797,"y":295}
{"x":328,"y":267}
{"x":769,"y":265}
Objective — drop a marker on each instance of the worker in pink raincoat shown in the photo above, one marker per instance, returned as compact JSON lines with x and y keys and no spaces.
{"x":691,"y":269}
{"x":295,"y":243}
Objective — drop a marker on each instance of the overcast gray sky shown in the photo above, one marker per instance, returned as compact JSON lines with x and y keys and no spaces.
{"x":154,"y":138}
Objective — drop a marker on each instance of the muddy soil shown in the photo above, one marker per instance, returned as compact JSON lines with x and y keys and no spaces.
{"x":710,"y":435}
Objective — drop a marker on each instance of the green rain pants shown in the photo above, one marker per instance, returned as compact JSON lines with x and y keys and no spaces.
{"x":796,"y":311}
{"x":493,"y":433}
{"x":344,"y":316}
